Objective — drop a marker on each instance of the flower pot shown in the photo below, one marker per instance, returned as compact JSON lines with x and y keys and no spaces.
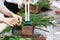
{"x":27,"y":31}
{"x":57,"y":12}
{"x":41,"y":37}
{"x":34,"y":9}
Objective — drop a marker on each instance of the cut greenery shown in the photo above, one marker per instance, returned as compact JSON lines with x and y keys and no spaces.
{"x":44,"y":5}
{"x":39,"y":19}
{"x":14,"y":37}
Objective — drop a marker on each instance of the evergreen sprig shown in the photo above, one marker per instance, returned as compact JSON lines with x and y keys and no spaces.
{"x":40,"y":20}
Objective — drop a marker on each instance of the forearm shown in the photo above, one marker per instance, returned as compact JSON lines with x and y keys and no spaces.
{"x":6,"y":11}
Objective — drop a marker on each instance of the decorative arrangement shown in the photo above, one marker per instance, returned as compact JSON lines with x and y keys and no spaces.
{"x":27,"y":27}
{"x":30,"y":20}
{"x":39,"y":19}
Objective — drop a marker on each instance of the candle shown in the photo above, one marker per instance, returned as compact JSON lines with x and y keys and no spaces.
{"x":28,"y":10}
{"x":25,"y":11}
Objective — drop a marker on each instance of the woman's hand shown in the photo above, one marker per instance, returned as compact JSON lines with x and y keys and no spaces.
{"x":10,"y":21}
{"x":18,"y":19}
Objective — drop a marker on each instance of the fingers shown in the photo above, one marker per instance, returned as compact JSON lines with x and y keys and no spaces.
{"x":10,"y":21}
{"x":13,"y":22}
{"x":20,"y":20}
{"x":15,"y":17}
{"x":10,"y":24}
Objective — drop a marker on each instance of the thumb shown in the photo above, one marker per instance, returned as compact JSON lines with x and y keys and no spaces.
{"x":20,"y":21}
{"x":15,"y":17}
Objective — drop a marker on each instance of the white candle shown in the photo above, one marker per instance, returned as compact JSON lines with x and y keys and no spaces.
{"x":26,"y":11}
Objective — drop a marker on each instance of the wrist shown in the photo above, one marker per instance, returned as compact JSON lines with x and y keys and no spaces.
{"x":2,"y":20}
{"x":12,"y":14}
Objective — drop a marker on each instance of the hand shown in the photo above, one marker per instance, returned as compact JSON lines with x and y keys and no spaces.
{"x":10,"y":21}
{"x":23,"y":2}
{"x":18,"y":19}
{"x":31,"y":2}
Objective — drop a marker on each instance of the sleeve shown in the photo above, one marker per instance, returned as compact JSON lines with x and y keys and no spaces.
{"x":19,"y":4}
{"x":1,"y":4}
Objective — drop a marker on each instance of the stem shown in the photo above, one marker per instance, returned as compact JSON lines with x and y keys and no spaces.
{"x":42,"y":29}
